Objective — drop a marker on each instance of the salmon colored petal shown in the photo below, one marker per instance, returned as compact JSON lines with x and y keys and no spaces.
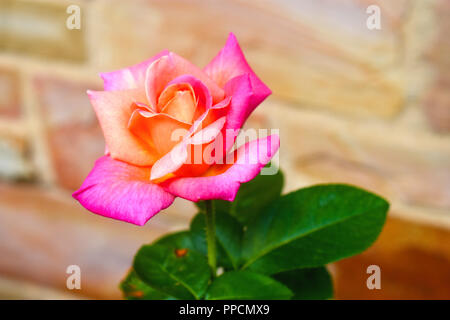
{"x":129,"y":78}
{"x":120,"y":191}
{"x":250,"y":159}
{"x":160,"y":131}
{"x":202,"y":96}
{"x":170,"y":92}
{"x":170,"y":162}
{"x":209,"y":133}
{"x":215,"y":112}
{"x":229,"y":63}
{"x":114,"y":109}
{"x":210,"y":116}
{"x":181,"y":107}
{"x":204,"y":149}
{"x":169,"y":67}
{"x":174,"y":159}
{"x":195,"y":164}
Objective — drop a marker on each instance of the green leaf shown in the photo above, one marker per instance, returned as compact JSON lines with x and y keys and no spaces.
{"x":246,"y":285}
{"x":312,"y":227}
{"x":177,"y":240}
{"x":251,"y":198}
{"x":181,"y":273}
{"x":307,"y":284}
{"x":229,"y":235}
{"x":256,"y":195}
{"x":134,"y":288}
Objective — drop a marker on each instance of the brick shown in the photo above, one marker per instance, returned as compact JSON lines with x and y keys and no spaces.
{"x":436,"y":101}
{"x":14,"y":158}
{"x":74,"y":135}
{"x":337,"y":64}
{"x":42,"y":232}
{"x":414,"y":260}
{"x":437,"y":105}
{"x":10,"y":100}
{"x":439,"y":52}
{"x":38,"y":28}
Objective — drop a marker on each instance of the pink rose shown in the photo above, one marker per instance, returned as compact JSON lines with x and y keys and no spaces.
{"x":144,"y":167}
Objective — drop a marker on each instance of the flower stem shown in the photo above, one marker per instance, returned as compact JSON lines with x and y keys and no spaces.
{"x":211,"y":234}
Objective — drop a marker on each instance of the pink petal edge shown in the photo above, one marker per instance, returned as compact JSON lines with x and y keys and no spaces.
{"x":229,"y":63}
{"x":251,"y":158}
{"x":120,"y":191}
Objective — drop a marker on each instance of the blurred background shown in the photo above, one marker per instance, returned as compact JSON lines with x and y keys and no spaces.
{"x":367,"y":107}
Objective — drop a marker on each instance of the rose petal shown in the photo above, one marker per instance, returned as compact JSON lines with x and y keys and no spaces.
{"x":231,"y":71}
{"x":177,"y":157}
{"x":159,"y":130}
{"x":209,"y":116}
{"x":174,"y":159}
{"x":239,"y":109}
{"x":202,"y":95}
{"x":209,"y":133}
{"x":181,"y":107}
{"x":170,"y":162}
{"x":129,"y":78}
{"x":169,"y":67}
{"x":170,"y":92}
{"x":114,"y":109}
{"x":229,"y":63}
{"x":223,"y":181}
{"x":120,"y":191}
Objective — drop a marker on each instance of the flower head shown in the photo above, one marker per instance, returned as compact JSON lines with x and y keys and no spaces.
{"x":157,"y":118}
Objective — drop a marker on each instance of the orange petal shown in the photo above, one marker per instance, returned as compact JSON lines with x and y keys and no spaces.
{"x":159,"y":130}
{"x":181,"y":107}
{"x":114,"y":109}
{"x":170,"y":92}
{"x":187,"y":158}
{"x":171,"y":66}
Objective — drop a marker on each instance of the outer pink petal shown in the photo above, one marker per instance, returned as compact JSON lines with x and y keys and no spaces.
{"x":120,"y":191}
{"x":251,"y":158}
{"x":239,"y":89}
{"x":229,"y":63}
{"x":240,"y":107}
{"x":129,"y":78}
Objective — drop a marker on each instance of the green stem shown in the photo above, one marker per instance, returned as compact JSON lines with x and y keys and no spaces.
{"x":211,"y":234}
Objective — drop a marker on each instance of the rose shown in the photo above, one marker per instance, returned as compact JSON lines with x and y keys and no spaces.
{"x":144,"y":167}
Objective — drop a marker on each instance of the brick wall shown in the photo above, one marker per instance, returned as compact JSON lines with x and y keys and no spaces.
{"x":368,"y":107}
